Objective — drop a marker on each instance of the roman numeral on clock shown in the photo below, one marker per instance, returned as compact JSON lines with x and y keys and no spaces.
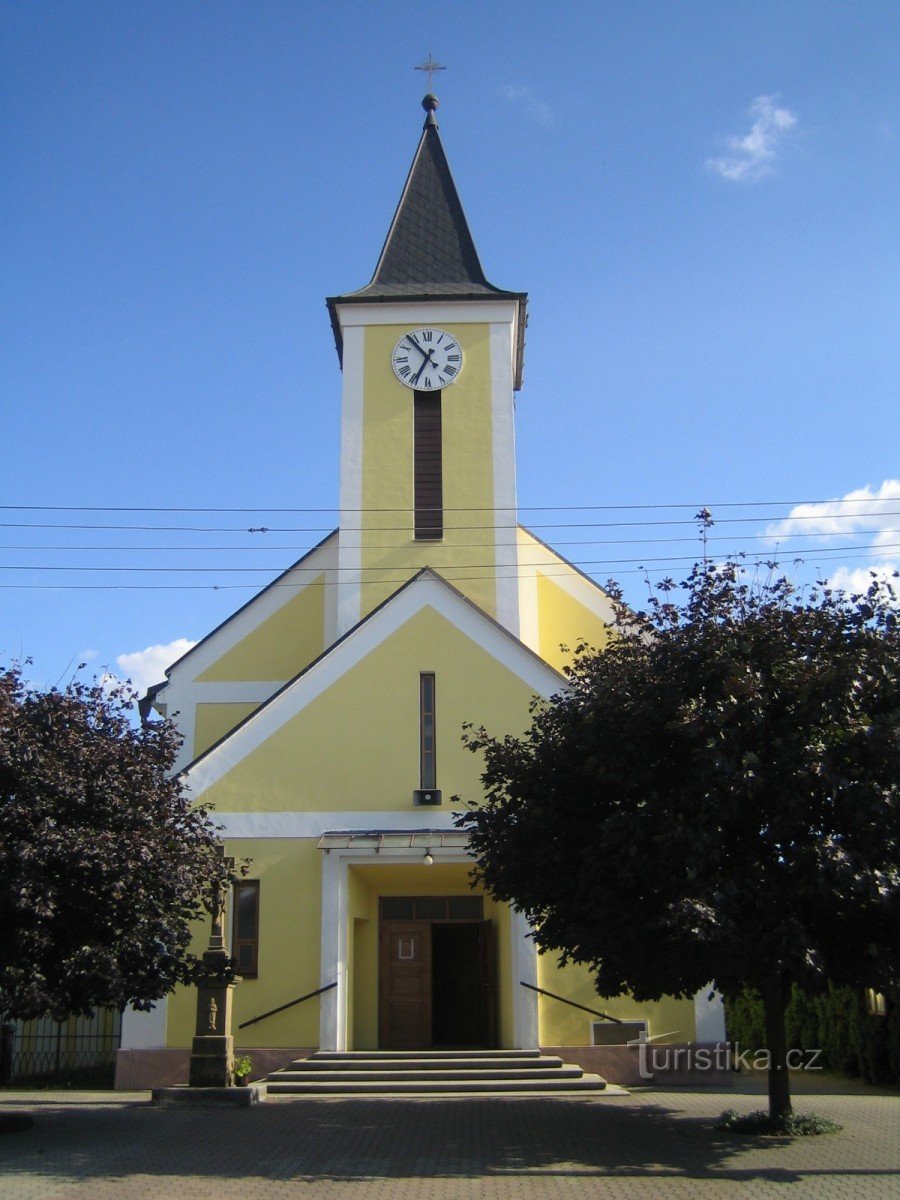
{"x":427,"y":359}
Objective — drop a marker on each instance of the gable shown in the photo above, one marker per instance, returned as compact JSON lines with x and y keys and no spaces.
{"x":247,"y":658}
{"x":564,"y":620}
{"x":282,"y":644}
{"x":559,"y":605}
{"x":345,"y":735}
{"x":272,"y":632}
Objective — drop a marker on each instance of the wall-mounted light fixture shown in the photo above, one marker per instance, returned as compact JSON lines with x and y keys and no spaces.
{"x":429,"y":859}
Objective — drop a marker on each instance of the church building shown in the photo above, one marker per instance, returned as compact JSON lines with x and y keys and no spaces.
{"x":323,"y":720}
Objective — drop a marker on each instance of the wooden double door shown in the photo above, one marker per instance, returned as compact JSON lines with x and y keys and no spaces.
{"x":436,"y":984}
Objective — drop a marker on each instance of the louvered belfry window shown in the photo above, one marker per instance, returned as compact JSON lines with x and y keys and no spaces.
{"x":428,"y":466}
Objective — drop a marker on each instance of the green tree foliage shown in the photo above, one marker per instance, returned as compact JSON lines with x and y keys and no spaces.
{"x":716,"y":796}
{"x":104,"y":863}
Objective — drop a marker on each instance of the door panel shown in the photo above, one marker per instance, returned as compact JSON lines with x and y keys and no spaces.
{"x":404,"y":1010}
{"x":488,"y":975}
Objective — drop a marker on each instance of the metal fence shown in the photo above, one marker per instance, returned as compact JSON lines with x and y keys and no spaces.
{"x":78,"y":1052}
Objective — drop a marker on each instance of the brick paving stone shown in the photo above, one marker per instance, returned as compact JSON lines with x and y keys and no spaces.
{"x":650,"y":1144}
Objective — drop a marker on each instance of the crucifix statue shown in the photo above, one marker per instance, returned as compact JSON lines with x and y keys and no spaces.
{"x":212,"y":1051}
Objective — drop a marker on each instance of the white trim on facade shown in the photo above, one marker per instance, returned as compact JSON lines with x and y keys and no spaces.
{"x":183,"y":693}
{"x":709,"y":1015}
{"x":426,"y":591}
{"x":145,"y":1030}
{"x":415,"y":312}
{"x":333,"y":955}
{"x":248,"y":619}
{"x":536,"y":560}
{"x":524,"y":970}
{"x":333,"y":1009}
{"x":504,"y":467}
{"x":351,"y":489}
{"x":314,"y":824}
{"x":529,"y":609}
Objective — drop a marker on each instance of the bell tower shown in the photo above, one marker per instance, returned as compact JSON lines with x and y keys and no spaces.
{"x":431,"y":355}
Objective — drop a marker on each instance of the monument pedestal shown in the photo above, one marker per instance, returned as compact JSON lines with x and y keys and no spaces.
{"x":212,"y":1050}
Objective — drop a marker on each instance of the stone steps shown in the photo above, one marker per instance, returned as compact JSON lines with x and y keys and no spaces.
{"x":430,"y":1072}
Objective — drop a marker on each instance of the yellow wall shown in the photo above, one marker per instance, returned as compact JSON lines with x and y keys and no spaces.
{"x":290,"y":874}
{"x":390,"y":553}
{"x":212,"y":721}
{"x":561,"y":1025}
{"x":564,"y":621}
{"x":289,"y":943}
{"x":356,"y":746}
{"x":290,"y":917}
{"x":281,"y":646}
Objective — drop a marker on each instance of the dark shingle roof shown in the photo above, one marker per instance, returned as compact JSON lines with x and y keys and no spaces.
{"x":429,"y":253}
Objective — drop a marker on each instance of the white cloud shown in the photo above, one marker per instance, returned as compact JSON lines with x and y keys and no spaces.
{"x":872,"y":514}
{"x":146,"y":667}
{"x":527,"y":98}
{"x":858,"y":579}
{"x":751,"y":155}
{"x":874,"y":511}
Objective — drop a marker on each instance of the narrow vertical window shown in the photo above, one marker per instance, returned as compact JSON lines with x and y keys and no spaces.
{"x":245,"y":931}
{"x":427,"y":761}
{"x":428,"y":466}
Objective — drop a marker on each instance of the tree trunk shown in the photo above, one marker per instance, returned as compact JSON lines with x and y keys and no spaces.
{"x":775,"y":1002}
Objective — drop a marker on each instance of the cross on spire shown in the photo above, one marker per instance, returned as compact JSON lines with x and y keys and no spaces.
{"x":430,"y":67}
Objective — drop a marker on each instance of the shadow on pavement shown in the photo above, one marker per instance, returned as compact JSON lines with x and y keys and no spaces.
{"x":357,"y":1140}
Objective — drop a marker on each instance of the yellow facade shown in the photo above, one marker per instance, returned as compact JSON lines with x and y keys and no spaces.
{"x":466,"y":553}
{"x":305,"y":711}
{"x":359,"y":739}
{"x":283,"y":645}
{"x":354,"y":746}
{"x":213,"y":721}
{"x":668,"y":1020}
{"x":564,"y":623}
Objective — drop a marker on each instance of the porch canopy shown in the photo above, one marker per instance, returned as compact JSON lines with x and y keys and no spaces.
{"x":376,"y":840}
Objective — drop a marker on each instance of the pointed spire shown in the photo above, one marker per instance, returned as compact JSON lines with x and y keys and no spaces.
{"x":429,"y":252}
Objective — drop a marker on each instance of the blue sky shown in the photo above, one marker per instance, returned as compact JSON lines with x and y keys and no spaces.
{"x":700,"y":198}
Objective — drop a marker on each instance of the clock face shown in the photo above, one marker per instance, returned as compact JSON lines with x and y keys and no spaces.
{"x":427,"y":359}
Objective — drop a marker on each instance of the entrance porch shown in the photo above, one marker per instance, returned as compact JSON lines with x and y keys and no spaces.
{"x":419,"y":959}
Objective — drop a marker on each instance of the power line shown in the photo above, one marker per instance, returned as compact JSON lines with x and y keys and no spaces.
{"x":302,"y":549}
{"x":646,"y":567}
{"x":318,"y":570}
{"x":324,"y":530}
{"x":527,"y":508}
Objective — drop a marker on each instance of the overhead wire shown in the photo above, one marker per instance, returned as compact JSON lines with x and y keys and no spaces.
{"x":781,"y":530}
{"x":395,"y":529}
{"x":494,"y":508}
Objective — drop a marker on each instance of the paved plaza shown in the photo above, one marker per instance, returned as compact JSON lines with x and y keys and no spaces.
{"x":659,"y":1144}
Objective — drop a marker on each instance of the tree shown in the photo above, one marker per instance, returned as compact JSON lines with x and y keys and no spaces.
{"x":104,"y":863}
{"x":715,"y":796}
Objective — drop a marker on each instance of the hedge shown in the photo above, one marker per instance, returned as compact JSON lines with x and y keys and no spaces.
{"x":852,"y":1041}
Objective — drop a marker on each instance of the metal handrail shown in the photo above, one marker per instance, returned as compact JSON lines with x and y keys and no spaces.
{"x":553,"y":996}
{"x":290,"y":1004}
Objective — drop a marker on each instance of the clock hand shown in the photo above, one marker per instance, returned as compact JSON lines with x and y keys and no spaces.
{"x":412,"y":341}
{"x":429,"y":361}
